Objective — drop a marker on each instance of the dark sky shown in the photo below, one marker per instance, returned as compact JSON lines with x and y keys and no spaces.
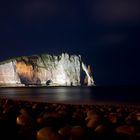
{"x":105,"y":32}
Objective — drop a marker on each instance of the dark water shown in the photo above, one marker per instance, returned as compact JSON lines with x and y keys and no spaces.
{"x":75,"y":95}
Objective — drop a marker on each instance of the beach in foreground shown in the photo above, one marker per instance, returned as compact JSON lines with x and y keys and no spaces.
{"x":28,"y":120}
{"x":74,"y":113}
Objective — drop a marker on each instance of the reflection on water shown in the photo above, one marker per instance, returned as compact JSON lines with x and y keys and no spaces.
{"x":47,"y":94}
{"x":72,"y":94}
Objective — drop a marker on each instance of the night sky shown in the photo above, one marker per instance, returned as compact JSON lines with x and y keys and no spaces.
{"x":105,"y":32}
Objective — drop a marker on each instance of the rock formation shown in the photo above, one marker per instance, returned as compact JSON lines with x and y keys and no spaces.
{"x":44,"y":69}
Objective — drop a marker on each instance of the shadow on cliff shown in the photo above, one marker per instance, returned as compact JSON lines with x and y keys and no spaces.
{"x":26,"y":81}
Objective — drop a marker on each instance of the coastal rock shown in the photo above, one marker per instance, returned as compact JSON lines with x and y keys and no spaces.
{"x":45,"y":69}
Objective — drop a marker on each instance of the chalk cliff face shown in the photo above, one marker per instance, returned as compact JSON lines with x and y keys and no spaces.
{"x":43,"y":69}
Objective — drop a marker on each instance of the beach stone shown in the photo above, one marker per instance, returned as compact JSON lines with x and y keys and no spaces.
{"x":113,"y":118}
{"x":130,"y":119}
{"x":101,"y":129}
{"x":26,"y":133}
{"x":47,"y":133}
{"x":23,"y":110}
{"x":22,"y":120}
{"x":92,"y":119}
{"x":37,"y":108}
{"x":54,"y":115}
{"x":138,"y":116}
{"x":68,"y":122}
{"x":90,"y":114}
{"x":8,"y":109}
{"x":62,"y":113}
{"x":92,"y":123}
{"x":77,"y":132}
{"x":125,"y":129}
{"x":65,"y":131}
{"x":40,"y":120}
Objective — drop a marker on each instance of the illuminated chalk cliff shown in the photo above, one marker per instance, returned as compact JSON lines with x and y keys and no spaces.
{"x":45,"y":69}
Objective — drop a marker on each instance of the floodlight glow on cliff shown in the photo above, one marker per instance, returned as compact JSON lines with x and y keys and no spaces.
{"x":45,"y":69}
{"x":90,"y":79}
{"x":61,"y":77}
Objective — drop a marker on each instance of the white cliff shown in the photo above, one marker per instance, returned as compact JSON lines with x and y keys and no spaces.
{"x":90,"y":80}
{"x":8,"y":73}
{"x":45,"y":69}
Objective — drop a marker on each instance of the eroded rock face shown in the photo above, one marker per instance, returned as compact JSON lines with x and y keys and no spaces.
{"x":8,"y":73}
{"x":43,"y":69}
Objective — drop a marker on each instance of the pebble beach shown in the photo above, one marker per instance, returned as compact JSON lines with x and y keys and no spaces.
{"x":27,"y":120}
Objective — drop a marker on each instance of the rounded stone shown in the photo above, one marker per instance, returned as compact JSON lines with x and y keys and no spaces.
{"x":77,"y":132}
{"x":40,"y":120}
{"x":22,"y":120}
{"x":138,"y":116}
{"x":47,"y":133}
{"x":125,"y":129}
{"x":113,"y":118}
{"x":92,"y":120}
{"x":101,"y":129}
{"x":65,"y":131}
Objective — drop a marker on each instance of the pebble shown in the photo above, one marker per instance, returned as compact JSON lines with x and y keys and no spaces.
{"x":101,"y":129}
{"x":47,"y":133}
{"x":125,"y":129}
{"x":92,"y":119}
{"x":77,"y":132}
{"x":46,"y":121}
{"x":65,"y":131}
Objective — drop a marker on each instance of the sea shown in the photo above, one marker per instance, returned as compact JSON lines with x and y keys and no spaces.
{"x":105,"y":95}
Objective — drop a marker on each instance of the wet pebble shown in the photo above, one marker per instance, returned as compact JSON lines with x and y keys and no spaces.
{"x":125,"y":129}
{"x":47,"y":133}
{"x":65,"y":131}
{"x":43,"y":121}
{"x":77,"y":132}
{"x":22,"y":120}
{"x":92,"y":119}
{"x":101,"y":129}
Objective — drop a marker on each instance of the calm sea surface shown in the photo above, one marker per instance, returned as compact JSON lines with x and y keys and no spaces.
{"x":75,"y":95}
